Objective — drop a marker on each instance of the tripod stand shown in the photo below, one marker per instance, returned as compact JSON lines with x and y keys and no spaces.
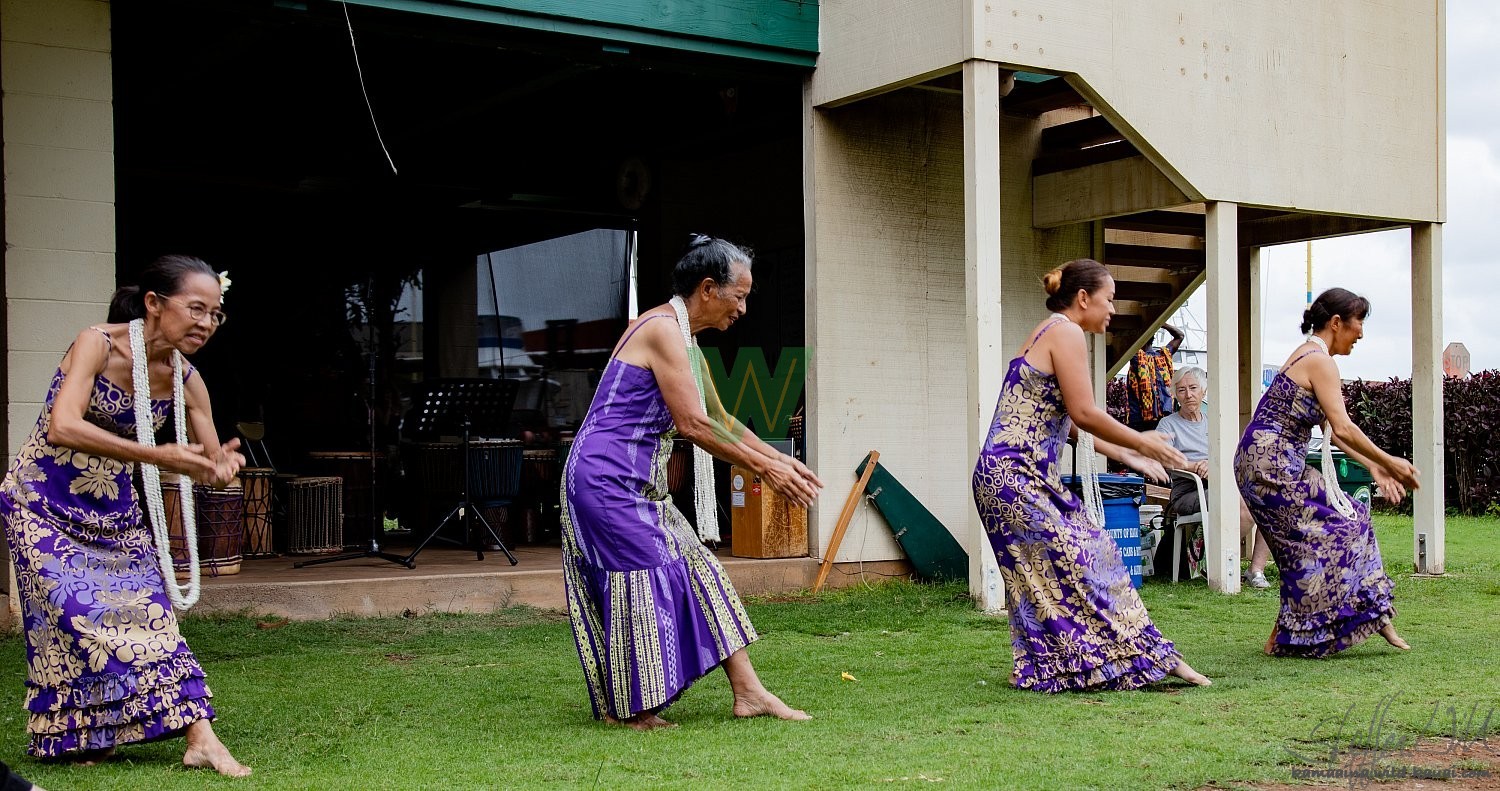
{"x":377,"y":527}
{"x":482,"y":405}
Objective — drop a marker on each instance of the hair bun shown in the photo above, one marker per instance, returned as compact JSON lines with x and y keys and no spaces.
{"x":1052,"y":281}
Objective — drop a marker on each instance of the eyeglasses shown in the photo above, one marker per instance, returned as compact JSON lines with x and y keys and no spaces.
{"x":197,"y":312}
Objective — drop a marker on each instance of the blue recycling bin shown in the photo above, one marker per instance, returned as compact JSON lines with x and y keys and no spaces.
{"x":1123,"y":495}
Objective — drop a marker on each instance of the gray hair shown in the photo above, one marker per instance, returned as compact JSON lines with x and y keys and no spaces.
{"x":1197,"y":372}
{"x":707,"y":257}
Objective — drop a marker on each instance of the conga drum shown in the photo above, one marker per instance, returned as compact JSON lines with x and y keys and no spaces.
{"x":315,"y":516}
{"x":256,"y":482}
{"x":220,"y":525}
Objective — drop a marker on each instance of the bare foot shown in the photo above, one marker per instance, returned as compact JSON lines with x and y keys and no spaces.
{"x":1270,"y":648}
{"x":93,"y":757}
{"x":764,"y":704}
{"x":1188,"y":674}
{"x":205,"y":751}
{"x":1389,"y":633}
{"x":644,"y":721}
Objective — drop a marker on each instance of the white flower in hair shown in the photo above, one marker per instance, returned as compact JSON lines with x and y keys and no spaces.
{"x":224,"y":284}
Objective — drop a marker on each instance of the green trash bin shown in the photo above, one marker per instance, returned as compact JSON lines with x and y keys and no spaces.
{"x":1354,"y":478}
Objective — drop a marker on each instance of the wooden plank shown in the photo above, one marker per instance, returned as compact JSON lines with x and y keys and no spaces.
{"x":1082,"y":158}
{"x":1031,"y":99}
{"x":1138,"y":291}
{"x":1172,"y":222}
{"x":1160,"y":257}
{"x":1221,"y":545}
{"x":1428,"y":540}
{"x":1079,"y":134}
{"x":1125,"y":186}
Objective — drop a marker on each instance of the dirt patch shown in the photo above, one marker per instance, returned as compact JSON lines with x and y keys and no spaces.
{"x":1429,"y":765}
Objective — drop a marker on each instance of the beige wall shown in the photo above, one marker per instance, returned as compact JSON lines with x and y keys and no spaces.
{"x":1328,"y":107}
{"x":886,"y":300}
{"x":59,"y":188}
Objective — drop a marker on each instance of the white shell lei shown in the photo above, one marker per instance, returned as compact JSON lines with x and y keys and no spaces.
{"x":1088,"y":464}
{"x":182,"y":597}
{"x":704,"y":498}
{"x":1336,"y":496}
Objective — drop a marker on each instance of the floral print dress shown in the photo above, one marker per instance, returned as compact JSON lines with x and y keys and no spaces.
{"x":1075,"y":621}
{"x":106,"y":664}
{"x":1334,"y":589}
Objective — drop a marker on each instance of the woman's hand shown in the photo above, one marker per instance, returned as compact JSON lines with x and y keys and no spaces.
{"x":228,"y":464}
{"x":1390,"y":488}
{"x":1404,"y":472}
{"x":1155,"y":446}
{"x":186,"y":460}
{"x":792,"y":480}
{"x":1151,"y":468}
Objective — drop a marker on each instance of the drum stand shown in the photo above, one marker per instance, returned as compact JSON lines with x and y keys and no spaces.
{"x":466,"y":511}
{"x":462,"y":402}
{"x":377,"y":523}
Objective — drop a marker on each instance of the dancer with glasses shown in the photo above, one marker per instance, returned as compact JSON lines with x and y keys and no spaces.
{"x":106,"y":663}
{"x":652,"y":609}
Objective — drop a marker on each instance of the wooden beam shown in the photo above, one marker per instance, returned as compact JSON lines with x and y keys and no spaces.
{"x":1221,"y":545}
{"x":1172,"y":222}
{"x":1125,"y":186}
{"x":1287,"y":228}
{"x":1428,"y":540}
{"x":1082,"y":158}
{"x":1181,"y":258}
{"x":1082,"y":133}
{"x":1031,"y":99}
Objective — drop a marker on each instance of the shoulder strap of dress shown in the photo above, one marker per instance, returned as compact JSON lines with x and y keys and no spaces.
{"x":1289,"y":365}
{"x":639,"y":324}
{"x":1039,"y":336}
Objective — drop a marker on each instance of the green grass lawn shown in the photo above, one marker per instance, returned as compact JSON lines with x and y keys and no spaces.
{"x":497,"y":701}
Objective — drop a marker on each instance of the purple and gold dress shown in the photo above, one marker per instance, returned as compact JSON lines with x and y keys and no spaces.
{"x":652,"y":610}
{"x":1334,"y":589}
{"x":1075,"y":621}
{"x":106,"y":664}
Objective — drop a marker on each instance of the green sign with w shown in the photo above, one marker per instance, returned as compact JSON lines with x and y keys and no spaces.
{"x":755,"y":396}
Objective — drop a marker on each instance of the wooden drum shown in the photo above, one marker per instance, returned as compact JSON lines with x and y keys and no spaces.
{"x":256,"y":482}
{"x":315,"y":516}
{"x":539,"y":481}
{"x":220,"y":523}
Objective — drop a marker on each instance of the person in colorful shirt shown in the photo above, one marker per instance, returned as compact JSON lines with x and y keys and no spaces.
{"x":1148,"y":387}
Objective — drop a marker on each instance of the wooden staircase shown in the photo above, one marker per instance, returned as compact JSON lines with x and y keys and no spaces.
{"x":1088,"y":170}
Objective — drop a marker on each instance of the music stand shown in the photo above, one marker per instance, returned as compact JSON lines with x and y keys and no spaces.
{"x":468,"y":405}
{"x":377,"y":521}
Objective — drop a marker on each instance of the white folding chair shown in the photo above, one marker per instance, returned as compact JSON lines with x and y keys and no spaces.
{"x":1180,"y":522}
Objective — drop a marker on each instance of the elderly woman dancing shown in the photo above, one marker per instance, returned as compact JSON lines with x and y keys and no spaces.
{"x":652,"y":609}
{"x":1334,"y":589}
{"x":106,"y":665}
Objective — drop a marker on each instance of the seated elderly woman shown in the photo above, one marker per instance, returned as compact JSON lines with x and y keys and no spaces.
{"x":1187,"y":430}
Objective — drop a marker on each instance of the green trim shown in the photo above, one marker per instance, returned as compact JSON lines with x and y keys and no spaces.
{"x":777,"y":31}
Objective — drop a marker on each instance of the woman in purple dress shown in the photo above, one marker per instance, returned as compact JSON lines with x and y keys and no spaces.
{"x":1075,"y":621}
{"x":1334,"y":589}
{"x":652,"y":609}
{"x":106,"y":664}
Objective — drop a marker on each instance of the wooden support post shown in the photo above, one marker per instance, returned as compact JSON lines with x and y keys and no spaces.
{"x":1427,"y":395}
{"x":1221,"y":545}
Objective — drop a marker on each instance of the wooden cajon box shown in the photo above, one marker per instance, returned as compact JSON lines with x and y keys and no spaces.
{"x":763,"y":524}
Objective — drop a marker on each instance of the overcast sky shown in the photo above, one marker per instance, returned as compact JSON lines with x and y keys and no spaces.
{"x":1378,"y":266}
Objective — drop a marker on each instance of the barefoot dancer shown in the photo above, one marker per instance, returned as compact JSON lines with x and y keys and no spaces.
{"x":1334,"y":589}
{"x":106,"y":665}
{"x":1075,"y":622}
{"x":652,"y":610}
